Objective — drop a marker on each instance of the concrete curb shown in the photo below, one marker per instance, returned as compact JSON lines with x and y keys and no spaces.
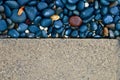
{"x":59,"y":59}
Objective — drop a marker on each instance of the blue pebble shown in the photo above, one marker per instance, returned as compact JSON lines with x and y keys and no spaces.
{"x":33,"y":28}
{"x":12,"y":4}
{"x":59,"y":3}
{"x":44,"y":34}
{"x":7,"y":11}
{"x":107,"y":19}
{"x":46,"y":22}
{"x":30,"y":35}
{"x":83,"y":28}
{"x":114,"y":10}
{"x":93,"y":26}
{"x":73,"y":1}
{"x":117,"y":26}
{"x":22,"y":27}
{"x":23,"y":2}
{"x":42,"y":5}
{"x":3,"y":25}
{"x":68,"y":32}
{"x":58,"y":24}
{"x":13,"y":33}
{"x":87,"y":12}
{"x":48,"y":12}
{"x":74,"y":33}
{"x":71,"y":6}
{"x":31,"y":12}
{"x":81,"y":5}
{"x":16,"y":18}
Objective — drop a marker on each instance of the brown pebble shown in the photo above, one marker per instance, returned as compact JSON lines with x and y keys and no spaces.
{"x":90,"y":1}
{"x":106,"y":31}
{"x":113,"y":4}
{"x":75,"y":21}
{"x":110,"y":26}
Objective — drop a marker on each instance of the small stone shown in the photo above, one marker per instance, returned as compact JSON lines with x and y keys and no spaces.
{"x":75,"y":21}
{"x":55,"y":17}
{"x":106,"y":31}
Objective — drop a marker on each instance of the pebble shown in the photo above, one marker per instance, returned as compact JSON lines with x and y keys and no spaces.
{"x":75,"y":21}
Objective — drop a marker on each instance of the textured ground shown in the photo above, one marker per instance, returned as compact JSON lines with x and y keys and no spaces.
{"x":59,"y":59}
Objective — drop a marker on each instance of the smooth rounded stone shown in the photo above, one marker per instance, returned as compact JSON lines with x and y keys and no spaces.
{"x":104,"y":2}
{"x":114,"y":10}
{"x":30,"y":35}
{"x":71,"y":6}
{"x":42,"y":5}
{"x":87,"y":12}
{"x":22,"y":27}
{"x":64,"y":1}
{"x":73,"y":1}
{"x":87,"y":20}
{"x":13,"y":33}
{"x":58,"y":24}
{"x":1,"y":8}
{"x":12,"y":4}
{"x":33,"y":28}
{"x":59,"y":3}
{"x":38,"y":34}
{"x":75,"y":12}
{"x":7,"y":11}
{"x":83,"y":28}
{"x":31,"y":12}
{"x":23,"y":2}
{"x":107,"y":19}
{"x":111,"y":34}
{"x":44,"y":34}
{"x":32,"y":3}
{"x":104,"y":10}
{"x":9,"y":21}
{"x":37,"y":20}
{"x":93,"y":26}
{"x":75,"y":21}
{"x":117,"y":27}
{"x":97,"y":36}
{"x":60,"y":30}
{"x":81,"y":5}
{"x":48,"y":12}
{"x":23,"y":35}
{"x":82,"y":35}
{"x":65,"y":20}
{"x":65,"y":11}
{"x":96,"y":6}
{"x":58,"y":10}
{"x":46,"y":22}
{"x":55,"y":17}
{"x":98,"y":17}
{"x":68,"y":32}
{"x":116,"y":18}
{"x":74,"y":33}
{"x":111,"y":26}
{"x":3,"y":25}
{"x":116,"y":33}
{"x":16,"y":18}
{"x":11,"y":26}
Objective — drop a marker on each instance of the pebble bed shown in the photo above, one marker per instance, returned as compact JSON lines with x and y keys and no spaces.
{"x":59,"y":18}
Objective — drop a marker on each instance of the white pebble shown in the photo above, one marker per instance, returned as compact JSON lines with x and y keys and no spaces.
{"x":86,"y":4}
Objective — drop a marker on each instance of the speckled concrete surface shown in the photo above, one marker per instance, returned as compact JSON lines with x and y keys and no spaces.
{"x":59,"y":59}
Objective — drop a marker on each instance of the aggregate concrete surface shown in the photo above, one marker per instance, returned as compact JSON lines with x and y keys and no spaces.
{"x":59,"y":59}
